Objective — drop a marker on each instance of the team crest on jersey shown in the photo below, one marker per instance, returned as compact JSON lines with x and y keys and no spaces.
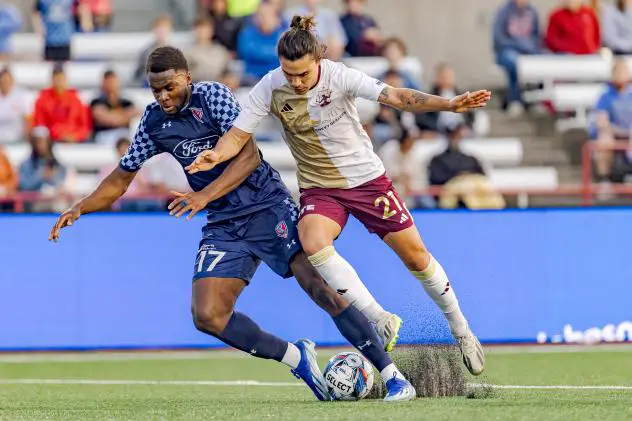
{"x":281,"y":230}
{"x":324,"y":97}
{"x":197,"y":114}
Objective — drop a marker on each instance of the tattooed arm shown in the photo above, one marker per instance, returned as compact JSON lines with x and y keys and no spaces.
{"x":420,"y":102}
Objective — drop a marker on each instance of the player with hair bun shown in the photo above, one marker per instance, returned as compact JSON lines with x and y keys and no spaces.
{"x":339,"y":173}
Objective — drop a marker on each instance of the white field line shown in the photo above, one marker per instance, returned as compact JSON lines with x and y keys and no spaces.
{"x":269,"y":384}
{"x":151,"y":382}
{"x":550,"y":387}
{"x":88,"y":356}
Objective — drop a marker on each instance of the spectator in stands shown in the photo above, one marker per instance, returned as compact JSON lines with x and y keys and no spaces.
{"x":612,"y":122}
{"x":328,"y":28}
{"x":15,"y":110}
{"x":406,"y":166}
{"x":433,"y":124}
{"x":10,"y":22}
{"x":226,"y":27}
{"x":93,"y":15}
{"x":616,"y":21}
{"x":388,"y":122}
{"x":452,"y":162}
{"x":163,"y":30}
{"x":462,"y":176}
{"x":41,"y":171}
{"x":230,"y":79}
{"x":61,"y":111}
{"x":8,"y":181}
{"x":139,"y":186}
{"x":241,"y":8}
{"x":257,"y":42}
{"x":362,"y":31}
{"x":573,"y":29}
{"x":207,"y":59}
{"x":394,"y":50}
{"x":54,"y":20}
{"x":516,"y":33}
{"x":112,"y":114}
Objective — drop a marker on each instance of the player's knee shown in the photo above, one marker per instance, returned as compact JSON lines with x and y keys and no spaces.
{"x":210,"y":320}
{"x":314,"y":244}
{"x":417,"y":258}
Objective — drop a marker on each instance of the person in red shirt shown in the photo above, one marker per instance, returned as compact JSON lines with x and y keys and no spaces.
{"x":60,"y":109}
{"x":573,"y":29}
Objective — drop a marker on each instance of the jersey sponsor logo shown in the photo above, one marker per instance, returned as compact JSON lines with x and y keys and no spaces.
{"x":197,"y":114}
{"x":190,"y":148}
{"x":287,"y":108}
{"x":281,"y":230}
{"x":324,"y":97}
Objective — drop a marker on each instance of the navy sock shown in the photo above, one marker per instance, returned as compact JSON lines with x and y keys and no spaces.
{"x":242,"y":333}
{"x":357,"y":329}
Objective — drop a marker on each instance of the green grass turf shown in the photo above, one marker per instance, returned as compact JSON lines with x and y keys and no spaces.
{"x":194,"y":402}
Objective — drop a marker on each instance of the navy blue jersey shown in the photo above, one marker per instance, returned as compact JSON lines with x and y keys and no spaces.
{"x":198,"y":126}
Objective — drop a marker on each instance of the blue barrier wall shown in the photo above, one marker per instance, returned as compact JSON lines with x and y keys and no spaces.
{"x":120,"y":280}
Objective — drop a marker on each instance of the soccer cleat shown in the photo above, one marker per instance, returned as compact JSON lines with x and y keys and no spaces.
{"x":387,"y":329}
{"x":472,"y":352}
{"x":308,"y":370}
{"x":399,"y":390}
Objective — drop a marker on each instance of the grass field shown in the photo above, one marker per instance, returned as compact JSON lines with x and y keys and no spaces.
{"x":563,"y":384}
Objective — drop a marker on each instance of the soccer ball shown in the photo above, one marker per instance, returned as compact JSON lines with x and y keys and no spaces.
{"x":349,"y":376}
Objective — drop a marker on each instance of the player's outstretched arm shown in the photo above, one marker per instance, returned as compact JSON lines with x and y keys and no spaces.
{"x":227,"y":147}
{"x":235,"y":173}
{"x":111,"y":188}
{"x":418,"y":102}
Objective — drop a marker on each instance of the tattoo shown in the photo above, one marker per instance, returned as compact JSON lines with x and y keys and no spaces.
{"x":383,"y":95}
{"x":412,"y":99}
{"x":403,"y":99}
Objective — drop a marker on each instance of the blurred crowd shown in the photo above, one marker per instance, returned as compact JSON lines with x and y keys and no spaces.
{"x":246,"y":32}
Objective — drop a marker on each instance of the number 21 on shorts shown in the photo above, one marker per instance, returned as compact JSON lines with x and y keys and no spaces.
{"x":385,"y":202}
{"x":214,"y":257}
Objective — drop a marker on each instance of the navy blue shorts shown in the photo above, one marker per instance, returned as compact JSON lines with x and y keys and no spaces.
{"x":235,"y":248}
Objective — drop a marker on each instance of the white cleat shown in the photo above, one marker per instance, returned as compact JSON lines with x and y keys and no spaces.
{"x":399,"y":390}
{"x":387,"y":328}
{"x":472,"y":352}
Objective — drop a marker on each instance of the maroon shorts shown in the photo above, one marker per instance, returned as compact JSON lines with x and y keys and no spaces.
{"x":376,"y":204}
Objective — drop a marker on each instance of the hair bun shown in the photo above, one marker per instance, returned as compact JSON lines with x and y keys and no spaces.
{"x":303,"y":23}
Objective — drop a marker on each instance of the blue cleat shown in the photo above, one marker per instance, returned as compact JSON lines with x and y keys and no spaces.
{"x":399,"y":389}
{"x":308,"y":370}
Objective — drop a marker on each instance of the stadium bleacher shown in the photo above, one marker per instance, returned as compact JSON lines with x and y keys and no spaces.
{"x":96,"y":53}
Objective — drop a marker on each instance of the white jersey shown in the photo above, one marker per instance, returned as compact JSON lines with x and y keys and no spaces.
{"x":322,"y":127}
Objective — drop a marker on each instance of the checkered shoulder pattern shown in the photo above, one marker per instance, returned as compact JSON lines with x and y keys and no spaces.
{"x":142,"y":147}
{"x":221,"y":101}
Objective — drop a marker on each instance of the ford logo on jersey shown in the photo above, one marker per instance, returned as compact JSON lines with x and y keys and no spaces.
{"x":190,"y":148}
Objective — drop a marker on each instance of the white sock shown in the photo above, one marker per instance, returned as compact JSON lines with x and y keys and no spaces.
{"x":292,"y":356}
{"x":389,"y":372}
{"x":343,"y":278}
{"x":437,"y":285}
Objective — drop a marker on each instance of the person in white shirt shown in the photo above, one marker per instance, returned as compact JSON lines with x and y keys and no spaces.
{"x":340,"y":174}
{"x":15,"y":110}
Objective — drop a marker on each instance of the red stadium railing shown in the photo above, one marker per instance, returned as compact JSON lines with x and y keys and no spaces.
{"x":586,"y":189}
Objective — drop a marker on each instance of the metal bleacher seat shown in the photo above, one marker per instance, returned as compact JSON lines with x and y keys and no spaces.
{"x":119,"y":46}
{"x":377,"y":66}
{"x":551,"y":69}
{"x":578,"y":98}
{"x":37,"y":75}
{"x":540,"y":178}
